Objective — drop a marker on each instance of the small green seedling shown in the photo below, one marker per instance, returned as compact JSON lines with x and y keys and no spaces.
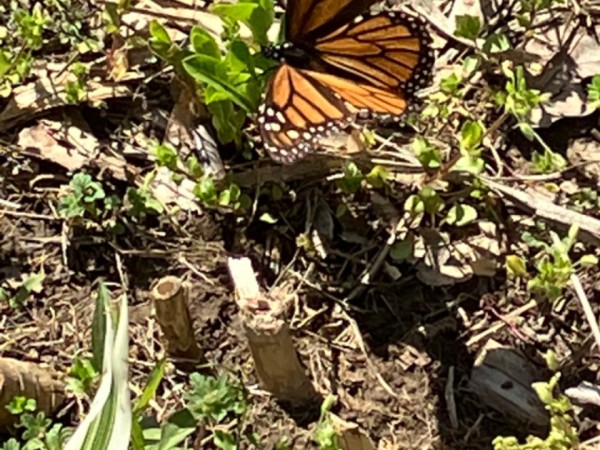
{"x":325,"y":434}
{"x":554,"y":265}
{"x":562,"y":435}
{"x":38,"y":432}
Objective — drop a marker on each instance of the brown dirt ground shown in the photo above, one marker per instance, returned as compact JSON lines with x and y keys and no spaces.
{"x":394,"y":389}
{"x":386,"y":355}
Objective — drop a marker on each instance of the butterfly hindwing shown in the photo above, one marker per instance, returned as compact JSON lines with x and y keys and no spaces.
{"x":297,"y":111}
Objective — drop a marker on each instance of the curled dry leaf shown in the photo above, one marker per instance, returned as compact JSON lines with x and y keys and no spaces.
{"x":443,"y":261}
{"x":70,"y":144}
{"x":584,"y":153}
{"x":49,"y":91}
{"x":569,"y":54}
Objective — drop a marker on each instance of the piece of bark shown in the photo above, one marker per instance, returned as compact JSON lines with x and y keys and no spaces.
{"x":502,"y":379}
{"x":350,"y":435}
{"x":275,"y":359}
{"x":29,"y":380}
{"x":173,"y":316}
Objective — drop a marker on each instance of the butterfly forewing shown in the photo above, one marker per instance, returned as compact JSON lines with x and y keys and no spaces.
{"x":390,"y":50}
{"x":297,"y":111}
{"x":307,"y":19}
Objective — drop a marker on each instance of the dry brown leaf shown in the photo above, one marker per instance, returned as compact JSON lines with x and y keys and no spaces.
{"x":584,"y":153}
{"x":70,"y":144}
{"x":168,"y":192}
{"x":49,"y":92}
{"x":442,"y":262}
{"x":569,"y":54}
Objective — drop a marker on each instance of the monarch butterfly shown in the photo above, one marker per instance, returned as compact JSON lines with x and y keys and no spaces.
{"x":335,"y":65}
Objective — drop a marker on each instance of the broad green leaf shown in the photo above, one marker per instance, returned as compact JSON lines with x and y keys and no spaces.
{"x":588,"y":260}
{"x":237,"y":12}
{"x":471,"y":135}
{"x":461,"y":215}
{"x":206,"y":70}
{"x":431,"y":200}
{"x":467,"y":26}
{"x":239,"y":58}
{"x":227,"y":121}
{"x":179,"y":426}
{"x":402,"y":250}
{"x":470,"y":164}
{"x":428,"y":155}
{"x":204,"y":43}
{"x":159,"y":33}
{"x":256,"y":14}
{"x":34,"y":282}
{"x":268,"y":218}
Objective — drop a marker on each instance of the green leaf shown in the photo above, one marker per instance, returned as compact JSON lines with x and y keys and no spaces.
{"x":83,"y":372}
{"x":432,"y":202}
{"x":236,"y":12}
{"x":34,"y":283}
{"x":470,"y":164}
{"x":588,"y":260}
{"x":401,"y":251}
{"x":256,"y":14}
{"x":261,"y":21}
{"x":471,"y":135}
{"x":461,"y":215}
{"x":467,"y":27}
{"x":203,"y":43}
{"x":515,"y":266}
{"x":207,"y":70}
{"x":239,"y":57}
{"x":352,"y":179}
{"x":428,"y":155}
{"x":594,"y":92}
{"x":496,"y":43}
{"x":449,"y":85}
{"x":470,"y":65}
{"x":227,"y":121}
{"x":268,"y":218}
{"x":99,"y":326}
{"x":151,"y":387}
{"x":159,"y":33}
{"x":378,"y":176}
{"x":224,"y":440}
{"x":414,"y":205}
{"x":206,"y":191}
{"x":166,"y":156}
{"x":179,"y":426}
{"x":214,"y":398}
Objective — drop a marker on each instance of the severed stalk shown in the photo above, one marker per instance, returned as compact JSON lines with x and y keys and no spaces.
{"x":29,"y":380}
{"x":275,"y":359}
{"x":172,"y":313}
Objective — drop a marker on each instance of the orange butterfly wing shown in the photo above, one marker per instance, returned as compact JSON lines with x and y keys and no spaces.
{"x":371,"y":65}
{"x":303,"y":106}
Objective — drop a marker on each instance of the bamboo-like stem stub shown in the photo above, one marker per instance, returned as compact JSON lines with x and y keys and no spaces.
{"x":275,"y":359}
{"x":171,"y":303}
